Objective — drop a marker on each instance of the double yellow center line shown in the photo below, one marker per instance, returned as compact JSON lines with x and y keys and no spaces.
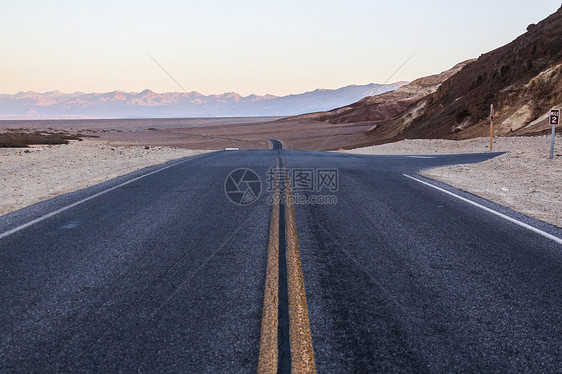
{"x":302,"y":352}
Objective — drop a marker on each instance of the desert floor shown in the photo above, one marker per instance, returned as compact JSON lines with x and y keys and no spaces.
{"x":205,"y":133}
{"x":524,"y":178}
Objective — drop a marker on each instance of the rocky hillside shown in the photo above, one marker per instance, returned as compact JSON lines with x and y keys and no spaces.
{"x":387,"y":105}
{"x":379,"y":111}
{"x":522,"y":79}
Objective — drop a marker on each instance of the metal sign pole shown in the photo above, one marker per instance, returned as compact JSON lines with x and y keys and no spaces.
{"x":554,"y":120}
{"x":492,"y":127}
{"x":552,"y":142}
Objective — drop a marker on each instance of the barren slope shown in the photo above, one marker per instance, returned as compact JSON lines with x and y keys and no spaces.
{"x":521,"y":79}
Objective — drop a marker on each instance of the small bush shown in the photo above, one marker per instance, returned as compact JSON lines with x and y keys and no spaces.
{"x":23,"y":140}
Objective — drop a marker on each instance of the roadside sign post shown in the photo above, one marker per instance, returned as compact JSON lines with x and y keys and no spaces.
{"x":554,"y":121}
{"x":492,"y":127}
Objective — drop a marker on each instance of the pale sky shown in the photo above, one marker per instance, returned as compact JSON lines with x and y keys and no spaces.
{"x":246,"y":46}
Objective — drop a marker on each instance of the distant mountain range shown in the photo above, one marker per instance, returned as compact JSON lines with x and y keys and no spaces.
{"x":149,"y":104}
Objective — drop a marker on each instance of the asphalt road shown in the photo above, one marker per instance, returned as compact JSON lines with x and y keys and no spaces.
{"x":163,"y":273}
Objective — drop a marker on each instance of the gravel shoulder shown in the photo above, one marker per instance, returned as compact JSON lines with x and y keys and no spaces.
{"x":39,"y":173}
{"x":524,"y":179}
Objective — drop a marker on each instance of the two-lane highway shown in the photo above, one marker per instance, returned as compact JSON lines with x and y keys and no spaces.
{"x":167,"y":274}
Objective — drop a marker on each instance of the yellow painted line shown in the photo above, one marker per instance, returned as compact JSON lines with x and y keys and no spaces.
{"x":267,"y":362}
{"x":302,"y":352}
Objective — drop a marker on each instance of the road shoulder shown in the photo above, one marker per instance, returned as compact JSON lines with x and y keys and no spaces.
{"x":523,"y":179}
{"x":36,"y":174}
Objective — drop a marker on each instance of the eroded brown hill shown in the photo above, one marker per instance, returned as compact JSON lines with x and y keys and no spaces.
{"x":523,"y":80}
{"x":385,"y":106}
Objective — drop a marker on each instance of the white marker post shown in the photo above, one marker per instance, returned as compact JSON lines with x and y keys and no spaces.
{"x":491,"y":127}
{"x":554,"y":121}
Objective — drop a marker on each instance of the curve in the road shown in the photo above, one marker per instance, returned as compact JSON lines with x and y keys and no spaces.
{"x":276,"y":144}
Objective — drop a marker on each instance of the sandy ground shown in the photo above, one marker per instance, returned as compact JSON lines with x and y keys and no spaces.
{"x":206,"y":133}
{"x":524,"y":179}
{"x":306,"y":134}
{"x":31,"y":175}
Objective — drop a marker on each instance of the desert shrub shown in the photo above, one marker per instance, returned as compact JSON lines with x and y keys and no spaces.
{"x":22,"y":139}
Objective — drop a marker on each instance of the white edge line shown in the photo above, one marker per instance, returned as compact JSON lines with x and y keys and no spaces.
{"x":60,"y":210}
{"x":513,"y":220}
{"x":420,"y":156}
